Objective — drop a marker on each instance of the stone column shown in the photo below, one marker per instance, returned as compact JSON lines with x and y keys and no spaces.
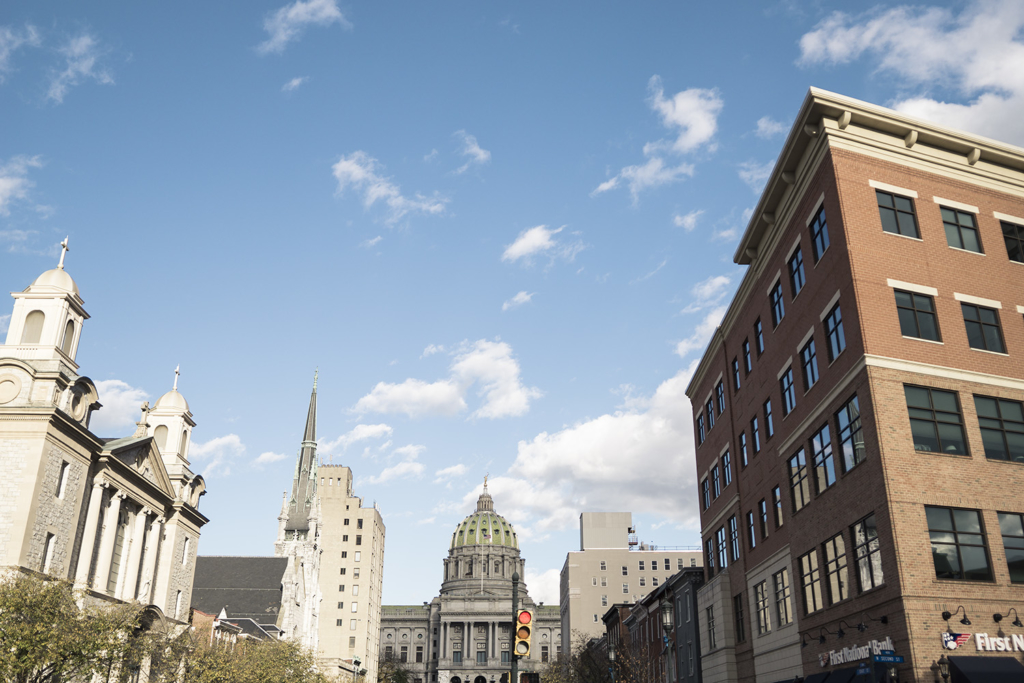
{"x":135,"y":555}
{"x":92,"y":519}
{"x":99,"y":581}
{"x":156,"y":531}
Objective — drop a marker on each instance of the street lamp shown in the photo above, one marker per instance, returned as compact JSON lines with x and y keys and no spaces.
{"x":611,"y":660}
{"x":666,"y":616}
{"x":944,"y":668}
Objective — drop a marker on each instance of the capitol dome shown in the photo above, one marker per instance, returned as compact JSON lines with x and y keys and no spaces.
{"x":173,"y":400}
{"x":484,"y":527}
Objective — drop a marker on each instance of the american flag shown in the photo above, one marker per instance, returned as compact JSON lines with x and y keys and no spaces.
{"x":951,"y":641}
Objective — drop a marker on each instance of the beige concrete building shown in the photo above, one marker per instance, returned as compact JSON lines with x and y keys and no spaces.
{"x":611,"y":567}
{"x":119,"y":516}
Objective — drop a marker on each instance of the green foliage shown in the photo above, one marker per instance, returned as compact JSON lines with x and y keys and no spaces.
{"x":250,"y":661}
{"x":390,"y":670}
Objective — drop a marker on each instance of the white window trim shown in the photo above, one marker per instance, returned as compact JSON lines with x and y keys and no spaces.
{"x":792,"y":250}
{"x":807,"y":338}
{"x":977,"y":300}
{"x":1008,"y":218}
{"x":886,"y":187}
{"x":775,"y":280}
{"x":911,"y":287}
{"x":1020,"y":309}
{"x":956,"y":205}
{"x":830,"y":305}
{"x":817,"y":207}
{"x":725,"y":449}
{"x":786,"y":366}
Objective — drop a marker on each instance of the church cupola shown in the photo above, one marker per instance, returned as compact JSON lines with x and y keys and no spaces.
{"x":46,"y":323}
{"x":170,"y":424}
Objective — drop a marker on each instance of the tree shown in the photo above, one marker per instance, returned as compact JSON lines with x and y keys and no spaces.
{"x":251,"y":661}
{"x":390,"y":670}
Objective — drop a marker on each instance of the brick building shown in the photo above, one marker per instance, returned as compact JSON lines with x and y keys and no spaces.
{"x":858,"y":412}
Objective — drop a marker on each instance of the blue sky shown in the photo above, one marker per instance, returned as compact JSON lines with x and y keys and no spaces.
{"x":502,"y":231}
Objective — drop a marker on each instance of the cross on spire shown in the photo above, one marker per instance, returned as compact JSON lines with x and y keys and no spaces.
{"x":177,"y":371}
{"x":63,"y":251}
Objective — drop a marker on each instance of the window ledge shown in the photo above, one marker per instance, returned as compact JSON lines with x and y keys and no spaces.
{"x":947,"y":582}
{"x":1004,"y":460}
{"x":967,"y":251}
{"x":944,"y":455}
{"x":994,"y":353}
{"x":1019,"y":263}
{"x":930,"y":341}
{"x":906,"y":237}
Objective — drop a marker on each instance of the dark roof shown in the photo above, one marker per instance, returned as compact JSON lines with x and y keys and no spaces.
{"x":246,"y":587}
{"x":251,"y":628}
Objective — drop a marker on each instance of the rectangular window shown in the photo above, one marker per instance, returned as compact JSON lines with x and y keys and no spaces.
{"x":763,"y":608}
{"x":48,"y":546}
{"x":357,"y":556}
{"x":809,"y":364}
{"x":737,"y":607}
{"x":351,"y":641}
{"x":543,"y":653}
{"x":344,"y":554}
{"x":935,"y":420}
{"x":62,"y":479}
{"x":777,"y":305}
{"x":777,"y":504}
{"x":339,"y":622}
{"x":481,"y":656}
{"x":343,"y":571}
{"x":961,"y":231}
{"x":748,"y":364}
{"x":720,"y":397}
{"x":419,"y":653}
{"x":788,"y":392}
{"x":734,"y":539}
{"x":355,"y":606}
{"x":710,"y":562}
{"x":700,"y":429}
{"x":983,"y":330}
{"x":506,"y":657}
{"x":341,"y":605}
{"x":958,"y":544}
{"x":796,"y":271}
{"x":1012,"y":527}
{"x":355,"y":572}
{"x":643,"y":581}
{"x":835,"y":569}
{"x":1002,"y":428}
{"x":736,"y":374}
{"x":769,"y":423}
{"x":762,"y":512}
{"x":810,"y":580}
{"x":593,"y":580}
{"x":750,"y":529}
{"x":722,"y":545}
{"x":184,"y":551}
{"x":604,"y":580}
{"x":346,"y":522}
{"x":359,"y":540}
{"x":1013,"y":235}
{"x":868,"y":553}
{"x":743,"y":449}
{"x":783,"y":607}
{"x":821,"y":455}
{"x":604,"y":601}
{"x":355,"y":589}
{"x":798,"y":480}
{"x":456,"y":656}
{"x":759,"y":336}
{"x":344,"y":538}
{"x":341,"y":588}
{"x":625,"y":570}
{"x":710,"y":620}
{"x":851,"y":441}
{"x":604,"y":566}
{"x":404,"y":653}
{"x":716,"y":484}
{"x":705,"y":493}
{"x":727,"y":468}
{"x":641,"y":565}
{"x":359,"y":524}
{"x":819,"y":234}
{"x":897,"y":214}
{"x":917,"y":315}
{"x":710,"y":408}
{"x":834,"y":334}
{"x":625,"y":588}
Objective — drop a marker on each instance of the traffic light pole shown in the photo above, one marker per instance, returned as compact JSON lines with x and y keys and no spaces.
{"x":515,"y":607}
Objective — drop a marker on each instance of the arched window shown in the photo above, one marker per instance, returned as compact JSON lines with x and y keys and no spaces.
{"x":69,"y":337}
{"x":184,"y":443}
{"x":33,"y":327}
{"x":161,"y":437}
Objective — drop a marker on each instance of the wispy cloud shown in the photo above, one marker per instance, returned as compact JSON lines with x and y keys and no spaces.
{"x":370,"y":243}
{"x":294,"y":83}
{"x":472,"y":150}
{"x":269,"y":457}
{"x":217,"y":455}
{"x":362,"y":432}
{"x":14,"y":182}
{"x":5,"y":323}
{"x":755,"y":175}
{"x":705,"y":328}
{"x":407,"y":467}
{"x":11,"y":40}
{"x":432,"y":349}
{"x":767,"y":127}
{"x":651,"y":274}
{"x":708,"y":292}
{"x":448,"y":473}
{"x":82,"y":54}
{"x":518,"y":300}
{"x":689,"y":221}
{"x":539,"y":240}
{"x":122,"y":408}
{"x":289,"y":22}
{"x":363,"y":173}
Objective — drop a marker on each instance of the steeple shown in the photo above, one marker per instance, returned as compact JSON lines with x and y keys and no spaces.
{"x":304,"y":484}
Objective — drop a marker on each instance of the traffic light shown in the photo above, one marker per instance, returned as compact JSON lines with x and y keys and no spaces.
{"x":524,"y":630}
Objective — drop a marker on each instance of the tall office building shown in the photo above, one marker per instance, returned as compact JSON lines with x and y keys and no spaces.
{"x":858,"y":413}
{"x":611,"y":567}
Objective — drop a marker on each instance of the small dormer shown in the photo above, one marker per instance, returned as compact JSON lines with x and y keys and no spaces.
{"x":170,"y":425}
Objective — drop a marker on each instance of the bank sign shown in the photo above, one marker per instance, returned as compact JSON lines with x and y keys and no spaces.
{"x":855,"y":652}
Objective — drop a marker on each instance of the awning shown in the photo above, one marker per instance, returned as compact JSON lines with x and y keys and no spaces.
{"x":985,"y":670}
{"x":846,"y":675}
{"x":818,"y":677}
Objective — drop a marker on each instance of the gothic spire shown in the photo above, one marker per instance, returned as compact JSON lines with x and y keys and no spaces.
{"x":304,"y":483}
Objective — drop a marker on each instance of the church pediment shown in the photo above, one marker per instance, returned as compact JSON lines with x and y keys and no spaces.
{"x":141,"y":456}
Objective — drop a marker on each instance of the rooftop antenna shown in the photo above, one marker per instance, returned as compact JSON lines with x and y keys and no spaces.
{"x":177,"y":371}
{"x":63,"y":250}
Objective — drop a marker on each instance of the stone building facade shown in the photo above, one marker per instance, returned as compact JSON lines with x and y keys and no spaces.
{"x":119,"y":516}
{"x":464,"y":635}
{"x":858,"y":413}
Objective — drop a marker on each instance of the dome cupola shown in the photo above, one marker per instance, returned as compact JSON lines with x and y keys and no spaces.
{"x":484,"y":527}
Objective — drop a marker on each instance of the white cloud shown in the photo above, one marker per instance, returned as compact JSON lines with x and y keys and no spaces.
{"x":432,"y":349}
{"x":472,"y":150}
{"x":431,"y":156}
{"x":689,"y":221}
{"x":539,"y":240}
{"x":767,"y":127}
{"x":294,"y":83}
{"x":452,"y":472}
{"x":488,"y":365}
{"x":218,"y":454}
{"x":361,"y":432}
{"x":652,"y":273}
{"x":82,"y":54}
{"x":370,"y":243}
{"x":407,"y":467}
{"x":755,"y":175}
{"x":518,"y":300}
{"x":640,"y":458}
{"x":705,"y":328}
{"x":122,"y":408}
{"x":10,"y":41}
{"x":360,"y":171}
{"x":14,"y":182}
{"x":975,"y":54}
{"x":269,"y":457}
{"x":544,"y":586}
{"x":288,"y":22}
{"x":708,"y":293}
{"x":5,"y":323}
{"x":428,"y":520}
{"x":653,"y":173}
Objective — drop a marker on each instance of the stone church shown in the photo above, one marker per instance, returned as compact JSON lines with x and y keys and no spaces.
{"x":119,"y":516}
{"x":464,"y":635}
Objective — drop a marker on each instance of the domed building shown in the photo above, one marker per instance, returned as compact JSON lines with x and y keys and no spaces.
{"x":464,"y":635}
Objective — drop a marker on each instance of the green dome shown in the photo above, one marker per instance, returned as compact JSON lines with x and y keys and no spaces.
{"x":485,"y":527}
